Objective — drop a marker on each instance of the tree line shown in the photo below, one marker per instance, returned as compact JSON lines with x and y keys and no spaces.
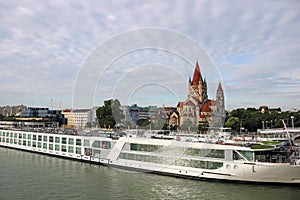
{"x":251,"y":119}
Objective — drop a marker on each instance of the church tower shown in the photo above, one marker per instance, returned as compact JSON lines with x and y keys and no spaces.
{"x":198,"y":87}
{"x":219,"y":113}
{"x":220,"y":99}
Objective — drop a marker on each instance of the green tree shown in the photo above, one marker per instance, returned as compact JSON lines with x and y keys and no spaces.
{"x":105,"y":114}
{"x":143,"y":122}
{"x":253,"y":119}
{"x":233,"y":123}
{"x":203,"y":127}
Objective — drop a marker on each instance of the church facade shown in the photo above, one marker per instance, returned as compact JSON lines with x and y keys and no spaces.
{"x":198,"y":108}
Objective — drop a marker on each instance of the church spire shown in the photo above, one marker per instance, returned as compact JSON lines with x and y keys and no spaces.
{"x":197,"y":75}
{"x":219,"y":87}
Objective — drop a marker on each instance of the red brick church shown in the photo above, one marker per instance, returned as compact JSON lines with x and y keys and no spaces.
{"x":197,"y":108}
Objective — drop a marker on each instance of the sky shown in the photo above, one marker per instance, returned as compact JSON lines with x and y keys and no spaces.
{"x":72,"y":53}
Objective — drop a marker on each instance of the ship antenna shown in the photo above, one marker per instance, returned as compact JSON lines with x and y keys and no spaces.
{"x":288,"y":134}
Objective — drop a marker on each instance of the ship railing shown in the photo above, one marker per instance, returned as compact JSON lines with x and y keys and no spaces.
{"x":295,"y":157}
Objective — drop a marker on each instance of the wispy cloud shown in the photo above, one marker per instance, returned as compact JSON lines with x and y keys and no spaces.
{"x":255,"y":45}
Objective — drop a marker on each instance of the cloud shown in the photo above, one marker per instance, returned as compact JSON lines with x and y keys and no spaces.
{"x":255,"y":44}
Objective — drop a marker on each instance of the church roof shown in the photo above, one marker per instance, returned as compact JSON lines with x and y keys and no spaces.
{"x":189,"y":102}
{"x":180,"y":104}
{"x":197,"y":75}
{"x":206,"y":106}
{"x":219,"y":87}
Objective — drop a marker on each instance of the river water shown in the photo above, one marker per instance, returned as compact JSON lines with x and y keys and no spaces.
{"x":25,"y":175}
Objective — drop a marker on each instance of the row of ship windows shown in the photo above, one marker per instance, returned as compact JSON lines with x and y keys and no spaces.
{"x":212,"y":153}
{"x":44,"y":138}
{"x":171,"y":161}
{"x":57,"y":140}
{"x":56,"y":147}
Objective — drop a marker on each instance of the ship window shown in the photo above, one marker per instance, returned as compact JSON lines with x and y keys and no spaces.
{"x":214,"y":165}
{"x":50,"y":146}
{"x":170,"y":161}
{"x":71,"y":149}
{"x":20,"y":135}
{"x":249,"y":155}
{"x":34,"y":144}
{"x":45,"y":138}
{"x":133,"y":147}
{"x":86,"y":143}
{"x":105,"y":145}
{"x":88,"y":151}
{"x":39,"y":145}
{"x":11,"y":141}
{"x":29,"y":143}
{"x":15,"y":141}
{"x":215,"y":153}
{"x":144,"y":147}
{"x":212,"y":153}
{"x":131,"y":156}
{"x":64,"y":148}
{"x":96,"y":144}
{"x":64,"y":140}
{"x":57,"y":148}
{"x":15,"y":135}
{"x":71,"y":141}
{"x":20,"y":142}
{"x":39,"y":138}
{"x":123,"y":155}
{"x":24,"y":136}
{"x":78,"y":150}
{"x":34,"y":137}
{"x":78,"y":142}
{"x":96,"y":153}
{"x":29,"y":137}
{"x":24,"y":142}
{"x":237,"y":156}
{"x":198,"y":164}
{"x":57,"y":140}
{"x":51,"y":139}
{"x":44,"y":145}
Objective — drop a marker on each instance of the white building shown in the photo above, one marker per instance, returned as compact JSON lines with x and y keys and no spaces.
{"x":82,"y":117}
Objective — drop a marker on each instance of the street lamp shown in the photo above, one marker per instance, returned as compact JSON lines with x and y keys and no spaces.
{"x":292,"y":117}
{"x":271,"y":123}
{"x":150,"y":125}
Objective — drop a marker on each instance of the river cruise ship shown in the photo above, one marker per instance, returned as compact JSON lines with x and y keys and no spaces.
{"x":272,"y":162}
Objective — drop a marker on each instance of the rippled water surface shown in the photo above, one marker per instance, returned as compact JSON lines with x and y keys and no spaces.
{"x":25,"y":175}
